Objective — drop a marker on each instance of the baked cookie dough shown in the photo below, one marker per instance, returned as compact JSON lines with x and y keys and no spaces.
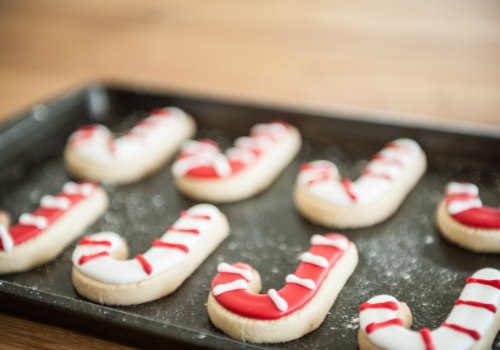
{"x":202,"y":172}
{"x":391,"y":174}
{"x":297,"y":309}
{"x":92,"y":152}
{"x":472,"y":324}
{"x":41,"y":236}
{"x":464,"y":220}
{"x":101,"y":273}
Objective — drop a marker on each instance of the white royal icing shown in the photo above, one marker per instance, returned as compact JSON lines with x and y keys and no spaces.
{"x":456,"y":206}
{"x":458,"y":187}
{"x":72,"y":188}
{"x":99,"y":145}
{"x":194,"y":154}
{"x":444,"y":338}
{"x":280,"y":303}
{"x":6,"y":239}
{"x":225,"y":267}
{"x":314,"y":259}
{"x":32,"y":220}
{"x":367,"y":188}
{"x":341,"y":244}
{"x":273,"y":130}
{"x":303,"y":282}
{"x":51,"y":202}
{"x":223,"y":288}
{"x":109,"y":270}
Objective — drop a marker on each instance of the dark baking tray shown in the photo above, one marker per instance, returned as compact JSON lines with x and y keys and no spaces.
{"x":404,"y":256}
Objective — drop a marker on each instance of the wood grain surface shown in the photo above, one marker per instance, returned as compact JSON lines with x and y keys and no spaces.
{"x":20,"y":334}
{"x":427,"y":58}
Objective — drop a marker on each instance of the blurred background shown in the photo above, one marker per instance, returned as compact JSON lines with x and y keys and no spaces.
{"x":438,"y":58}
{"x":426,"y":61}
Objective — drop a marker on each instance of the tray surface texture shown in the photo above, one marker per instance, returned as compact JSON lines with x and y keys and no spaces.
{"x":404,"y":256}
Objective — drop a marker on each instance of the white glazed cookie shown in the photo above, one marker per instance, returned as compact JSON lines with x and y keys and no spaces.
{"x":203,"y":173}
{"x":101,"y":273}
{"x":92,"y":153}
{"x":41,"y":236}
{"x":383,"y":185}
{"x":297,"y":309}
{"x":465,"y":221}
{"x":472,"y":324}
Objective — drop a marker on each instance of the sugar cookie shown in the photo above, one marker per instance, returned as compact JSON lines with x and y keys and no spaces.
{"x":41,"y":236}
{"x":92,"y":152}
{"x":465,"y":221}
{"x":297,"y":309}
{"x":203,"y":173}
{"x":101,"y":274}
{"x":386,"y":181}
{"x":472,"y":324}
{"x":4,"y":219}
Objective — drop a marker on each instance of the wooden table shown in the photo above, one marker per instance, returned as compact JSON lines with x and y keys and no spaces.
{"x":431,"y":61}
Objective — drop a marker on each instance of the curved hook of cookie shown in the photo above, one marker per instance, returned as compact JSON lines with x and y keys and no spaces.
{"x":297,"y":309}
{"x":39,"y":237}
{"x":472,"y":324}
{"x":465,"y":221}
{"x":390,"y":175}
{"x":101,"y":274}
{"x":202,"y":172}
{"x":93,"y":153}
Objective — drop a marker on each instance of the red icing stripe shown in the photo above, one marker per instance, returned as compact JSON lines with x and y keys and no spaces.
{"x":323,"y":177}
{"x":367,"y":172}
{"x":489,"y":307}
{"x":491,"y":283}
{"x":85,"y":258}
{"x":145,"y":264}
{"x":261,"y":306}
{"x":347,"y":186}
{"x":210,"y":142}
{"x":459,"y":197}
{"x":184,"y":230}
{"x":21,"y":233}
{"x":391,"y":305}
{"x":159,"y":243}
{"x":381,"y":158}
{"x":399,"y":147}
{"x":157,"y":112}
{"x":83,"y":133}
{"x":484,"y":217}
{"x":209,"y":171}
{"x":307,"y":166}
{"x":185,"y":214}
{"x":88,"y":241}
{"x":474,"y":334}
{"x":426,"y":337}
{"x":372,"y":327}
{"x":148,"y":122}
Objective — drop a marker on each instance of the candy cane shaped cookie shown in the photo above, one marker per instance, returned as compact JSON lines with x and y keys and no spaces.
{"x":383,"y":185}
{"x":472,"y":324}
{"x":297,"y":309}
{"x":101,"y":274}
{"x":41,"y":236}
{"x":465,"y":221}
{"x":92,"y":152}
{"x":203,"y":173}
